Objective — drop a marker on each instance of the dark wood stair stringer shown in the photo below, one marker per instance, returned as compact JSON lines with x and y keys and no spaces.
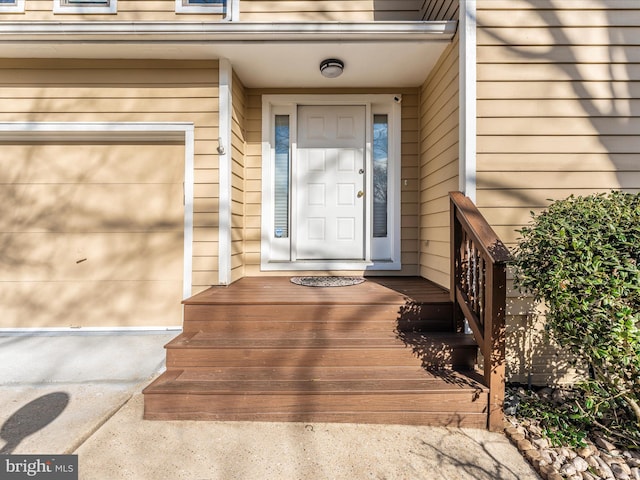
{"x":366,"y":355}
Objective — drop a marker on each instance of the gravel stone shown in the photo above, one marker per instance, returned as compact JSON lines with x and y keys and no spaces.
{"x":535,"y":430}
{"x":546,"y":456}
{"x":524,"y":445}
{"x":532,"y":455}
{"x":586,"y":452}
{"x":593,"y":462}
{"x":625,"y":468}
{"x":619,"y":472}
{"x":605,"y":444}
{"x":568,"y":470}
{"x":540,"y":443}
{"x":605,"y":470}
{"x":568,"y":453}
{"x":512,"y":431}
{"x":547,"y":470}
{"x":580,"y":464}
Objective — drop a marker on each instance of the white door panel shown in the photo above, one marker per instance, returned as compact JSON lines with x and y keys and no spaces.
{"x":330,"y":175}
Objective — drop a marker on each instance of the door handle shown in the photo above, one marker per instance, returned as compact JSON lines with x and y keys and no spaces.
{"x":360,"y":194}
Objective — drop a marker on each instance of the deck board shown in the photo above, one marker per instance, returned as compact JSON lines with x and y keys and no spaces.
{"x":281,"y":291}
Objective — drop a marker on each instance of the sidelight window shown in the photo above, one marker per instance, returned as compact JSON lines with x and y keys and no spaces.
{"x":380,"y":174}
{"x":281,"y":176}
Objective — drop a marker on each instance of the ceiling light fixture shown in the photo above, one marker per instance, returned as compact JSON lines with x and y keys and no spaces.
{"x":331,"y":67}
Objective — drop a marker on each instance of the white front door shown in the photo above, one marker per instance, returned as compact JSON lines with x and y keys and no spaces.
{"x":330,"y":179}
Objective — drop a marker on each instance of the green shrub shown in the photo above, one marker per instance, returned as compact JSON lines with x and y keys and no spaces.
{"x":581,"y":257}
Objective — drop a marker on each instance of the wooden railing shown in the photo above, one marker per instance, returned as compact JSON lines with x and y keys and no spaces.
{"x":478,"y":292}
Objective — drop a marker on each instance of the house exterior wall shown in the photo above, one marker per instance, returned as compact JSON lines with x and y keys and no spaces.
{"x":127,"y":11}
{"x":409,"y":171}
{"x":238,"y":180}
{"x":439,"y":165}
{"x":329,"y":10}
{"x":130,"y":91}
{"x":557,"y":114}
{"x":253,"y":11}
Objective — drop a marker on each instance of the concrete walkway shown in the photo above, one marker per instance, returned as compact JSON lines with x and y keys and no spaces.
{"x":81,"y":394}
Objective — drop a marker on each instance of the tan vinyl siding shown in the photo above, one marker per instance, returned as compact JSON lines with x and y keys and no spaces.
{"x":410,"y":207}
{"x":433,"y":10}
{"x":557,"y":101}
{"x":238,"y":191}
{"x":128,"y":11}
{"x":130,"y":91}
{"x":439,"y":168}
{"x":409,"y":169}
{"x":329,"y":10}
{"x":531,"y":356}
{"x":253,"y":174}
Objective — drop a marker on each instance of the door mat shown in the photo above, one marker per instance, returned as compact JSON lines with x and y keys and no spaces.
{"x":327,"y":281}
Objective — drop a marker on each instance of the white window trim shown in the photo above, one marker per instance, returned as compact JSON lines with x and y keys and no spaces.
{"x":111,"y":8}
{"x":215,"y":8}
{"x":17,"y":7}
{"x":375,"y":103}
{"x":125,"y":131}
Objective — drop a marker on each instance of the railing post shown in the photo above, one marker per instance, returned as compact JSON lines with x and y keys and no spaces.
{"x":494,"y":333}
{"x":456,"y":242}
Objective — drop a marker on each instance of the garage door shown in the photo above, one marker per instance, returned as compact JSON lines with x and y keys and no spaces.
{"x":91,"y":235}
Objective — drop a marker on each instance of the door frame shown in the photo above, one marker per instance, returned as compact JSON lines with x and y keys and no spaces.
{"x":379,"y":253}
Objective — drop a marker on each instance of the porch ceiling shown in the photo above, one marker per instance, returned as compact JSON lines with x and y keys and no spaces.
{"x":376,"y":54}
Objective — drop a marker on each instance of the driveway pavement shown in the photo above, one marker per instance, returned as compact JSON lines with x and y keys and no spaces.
{"x":81,"y":394}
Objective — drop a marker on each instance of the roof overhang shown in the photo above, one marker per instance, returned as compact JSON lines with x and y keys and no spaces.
{"x":264,"y":55}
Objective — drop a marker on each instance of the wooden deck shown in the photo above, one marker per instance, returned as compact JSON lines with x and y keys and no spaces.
{"x":384,"y":351}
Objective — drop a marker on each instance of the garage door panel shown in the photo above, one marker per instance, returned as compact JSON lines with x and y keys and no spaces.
{"x":91,"y":163}
{"x":78,"y":208}
{"x":91,"y":235}
{"x":91,"y":256}
{"x":90,"y":304}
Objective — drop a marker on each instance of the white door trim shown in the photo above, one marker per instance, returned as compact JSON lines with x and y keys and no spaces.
{"x":271,"y":253}
{"x":125,"y":131}
{"x":468,"y":94}
{"x":225,"y":148}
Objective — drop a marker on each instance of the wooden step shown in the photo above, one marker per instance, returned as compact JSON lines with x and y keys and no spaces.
{"x":407,"y":303}
{"x":236,"y":319}
{"x":435,"y":317}
{"x":320,"y":348}
{"x":264,"y":349}
{"x":368,"y":395}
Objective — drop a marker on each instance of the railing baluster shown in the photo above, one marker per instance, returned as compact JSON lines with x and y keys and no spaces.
{"x":478,"y":291}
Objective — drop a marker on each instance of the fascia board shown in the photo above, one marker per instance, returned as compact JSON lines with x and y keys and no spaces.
{"x":233,"y":32}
